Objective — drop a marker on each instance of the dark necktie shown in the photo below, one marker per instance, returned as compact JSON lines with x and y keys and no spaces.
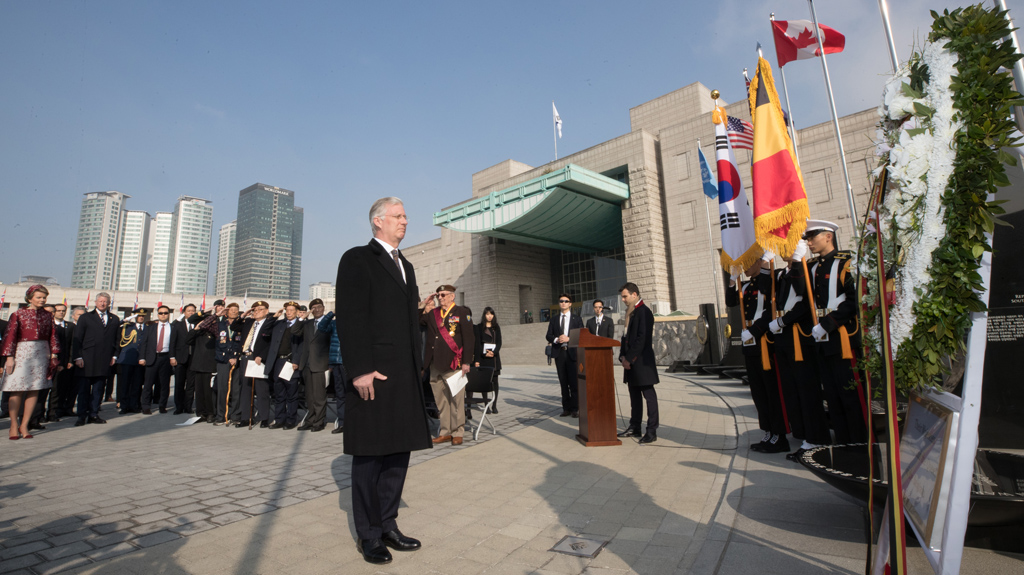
{"x":160,"y":339}
{"x":398,"y":262}
{"x":103,"y":317}
{"x":563,"y":327}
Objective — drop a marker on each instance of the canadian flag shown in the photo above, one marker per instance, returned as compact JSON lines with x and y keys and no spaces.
{"x":795,"y":40}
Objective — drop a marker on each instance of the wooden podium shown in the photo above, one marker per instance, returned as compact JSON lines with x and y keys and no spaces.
{"x":596,"y":388}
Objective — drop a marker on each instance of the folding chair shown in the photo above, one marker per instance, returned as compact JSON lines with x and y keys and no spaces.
{"x":481,"y":380}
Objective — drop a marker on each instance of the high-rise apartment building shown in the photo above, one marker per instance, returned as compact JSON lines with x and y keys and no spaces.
{"x":160,"y":268}
{"x":191,"y":232}
{"x":132,"y":257}
{"x":322,"y":290}
{"x":268,"y":243}
{"x":99,"y":233}
{"x":225,"y":259}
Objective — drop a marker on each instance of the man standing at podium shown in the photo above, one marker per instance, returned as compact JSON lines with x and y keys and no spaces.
{"x":565,"y":357}
{"x":600,"y":325}
{"x":640,"y":370}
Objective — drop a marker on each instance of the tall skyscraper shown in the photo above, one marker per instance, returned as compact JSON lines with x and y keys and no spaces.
{"x":160,"y":268}
{"x":99,"y":232}
{"x":268,"y":243}
{"x":225,"y":259}
{"x":132,"y":257}
{"x":191,"y":232}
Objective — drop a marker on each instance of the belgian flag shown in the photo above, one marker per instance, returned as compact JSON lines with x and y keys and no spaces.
{"x":780,"y":201}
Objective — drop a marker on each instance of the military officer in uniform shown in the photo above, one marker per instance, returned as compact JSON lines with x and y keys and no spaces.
{"x":757,"y":355}
{"x":448,"y":349}
{"x":837,"y":333}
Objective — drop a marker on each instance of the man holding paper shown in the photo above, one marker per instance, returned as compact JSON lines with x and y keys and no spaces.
{"x":284,"y":354}
{"x":448,"y":355}
{"x":256,"y":330}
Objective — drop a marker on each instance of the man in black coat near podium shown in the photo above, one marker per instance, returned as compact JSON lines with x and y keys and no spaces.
{"x":378,"y":312}
{"x":640,"y":368}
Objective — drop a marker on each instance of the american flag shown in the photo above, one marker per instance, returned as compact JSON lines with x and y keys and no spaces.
{"x":741,"y":134}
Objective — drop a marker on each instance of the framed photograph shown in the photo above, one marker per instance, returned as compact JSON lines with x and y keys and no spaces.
{"x":926,"y":462}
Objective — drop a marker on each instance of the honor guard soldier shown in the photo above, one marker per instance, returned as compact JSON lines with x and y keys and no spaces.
{"x":837,"y":332}
{"x":757,"y":354}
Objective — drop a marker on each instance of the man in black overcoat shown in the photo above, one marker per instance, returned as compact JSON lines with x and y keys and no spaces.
{"x":378,"y":328}
{"x":64,"y":384}
{"x":559,"y":327}
{"x":640,"y":369}
{"x":184,"y":394}
{"x":202,"y":364}
{"x":94,"y":348}
{"x":285,"y":348}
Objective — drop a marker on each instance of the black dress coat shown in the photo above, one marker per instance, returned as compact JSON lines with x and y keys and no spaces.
{"x":261,"y":343}
{"x":95,"y":344}
{"x":555,"y":330}
{"x":606,"y":329}
{"x":203,"y":341}
{"x":480,"y":340}
{"x":638,"y":348}
{"x":315,"y":351}
{"x":182,"y":350}
{"x":150,"y":335}
{"x":65,"y":335}
{"x":378,"y":327}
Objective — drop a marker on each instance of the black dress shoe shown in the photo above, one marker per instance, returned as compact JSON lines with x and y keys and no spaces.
{"x":80,"y":423}
{"x":649,"y":437}
{"x":96,"y":420}
{"x":147,"y":412}
{"x":630,"y":432}
{"x":395,"y":540}
{"x":305,"y":427}
{"x":374,"y":551}
{"x":564,"y":414}
{"x":493,"y":409}
{"x":779,"y":446}
{"x":339,"y":429}
{"x":265,"y":425}
{"x":240,"y":424}
{"x":275,"y":425}
{"x":469,"y":414}
{"x":163,"y":410}
{"x":316,"y":428}
{"x":576,"y":414}
{"x":123,"y":412}
{"x":289,"y":426}
{"x":32,"y":425}
{"x":176,"y":412}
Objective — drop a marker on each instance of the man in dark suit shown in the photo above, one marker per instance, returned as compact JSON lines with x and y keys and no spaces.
{"x":156,"y":354}
{"x":183,"y":393}
{"x":94,"y":348}
{"x":314,"y":361}
{"x":130,"y":374}
{"x":202,"y":363}
{"x":285,"y":349}
{"x":565,"y":357}
{"x":256,"y":333}
{"x":640,"y":369}
{"x":64,"y":381}
{"x":599,"y":324}
{"x":378,"y":329}
{"x":446,"y":352}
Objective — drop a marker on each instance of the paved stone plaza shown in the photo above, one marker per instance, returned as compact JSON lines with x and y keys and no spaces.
{"x":141,"y":495}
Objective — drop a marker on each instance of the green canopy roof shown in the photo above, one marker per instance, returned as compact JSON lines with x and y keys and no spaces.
{"x":571,"y":209}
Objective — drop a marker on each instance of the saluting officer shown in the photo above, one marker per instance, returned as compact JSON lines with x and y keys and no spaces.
{"x":757,"y":355}
{"x":837,"y":334}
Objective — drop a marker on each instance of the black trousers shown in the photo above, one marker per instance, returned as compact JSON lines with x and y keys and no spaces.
{"x":338,"y":374}
{"x":316,"y":396}
{"x":67,"y":392}
{"x":158,"y":381}
{"x":286,"y":395}
{"x":637,"y":396}
{"x":110,"y":382}
{"x":184,"y":391}
{"x":90,"y":395}
{"x":764,"y":389}
{"x":255,"y":399}
{"x":228,"y":382}
{"x":377,"y":483}
{"x":801,"y":393}
{"x":130,"y":379}
{"x":844,"y":407}
{"x":567,"y":379}
{"x":201,"y":383}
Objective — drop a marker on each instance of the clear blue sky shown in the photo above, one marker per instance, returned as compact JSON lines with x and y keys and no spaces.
{"x":345,"y":102}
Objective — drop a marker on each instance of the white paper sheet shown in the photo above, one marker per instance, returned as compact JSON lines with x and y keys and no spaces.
{"x":327,"y":378}
{"x":457,"y":381}
{"x":253,"y":370}
{"x":286,"y":371}
{"x":189,"y":421}
{"x":489,"y":347}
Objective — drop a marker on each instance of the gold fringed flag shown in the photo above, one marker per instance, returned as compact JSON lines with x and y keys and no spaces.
{"x":739,"y":249}
{"x":780,"y":201}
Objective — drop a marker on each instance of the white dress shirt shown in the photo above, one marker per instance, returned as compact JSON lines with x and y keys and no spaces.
{"x":387,"y":248}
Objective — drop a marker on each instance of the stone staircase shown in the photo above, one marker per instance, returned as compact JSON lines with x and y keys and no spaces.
{"x":523,"y":344}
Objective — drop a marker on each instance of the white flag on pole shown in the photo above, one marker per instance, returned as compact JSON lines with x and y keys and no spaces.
{"x":558,"y":119}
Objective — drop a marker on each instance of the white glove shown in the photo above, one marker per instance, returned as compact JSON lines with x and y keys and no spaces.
{"x":819,"y":332}
{"x":746,"y":336}
{"x":800,"y":252}
{"x":776,"y":325}
{"x":768,"y":256}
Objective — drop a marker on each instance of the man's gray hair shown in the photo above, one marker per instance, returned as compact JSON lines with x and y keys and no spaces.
{"x":103,"y":294}
{"x":78,"y":308}
{"x":379,"y":208}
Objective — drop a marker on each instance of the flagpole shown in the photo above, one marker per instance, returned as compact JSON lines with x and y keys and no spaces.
{"x":835,"y":116}
{"x":554,"y":129}
{"x":894,"y":60}
{"x":785,"y":92}
{"x":714,"y":274}
{"x":1018,"y":66}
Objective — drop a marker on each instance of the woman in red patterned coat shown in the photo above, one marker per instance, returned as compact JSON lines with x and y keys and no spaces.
{"x":31,"y":347}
